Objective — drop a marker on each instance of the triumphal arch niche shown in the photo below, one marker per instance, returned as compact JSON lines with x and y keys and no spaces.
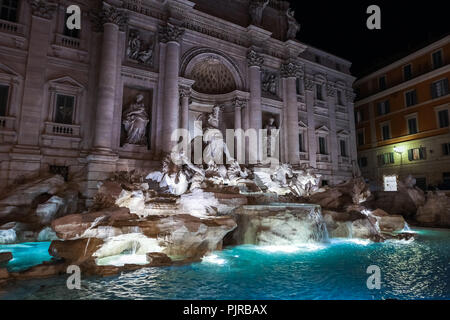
{"x":217,"y":81}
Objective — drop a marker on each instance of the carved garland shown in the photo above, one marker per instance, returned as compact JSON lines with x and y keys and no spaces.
{"x":42,"y":8}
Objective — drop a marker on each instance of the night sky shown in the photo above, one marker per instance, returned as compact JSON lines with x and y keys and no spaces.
{"x":339,"y":27}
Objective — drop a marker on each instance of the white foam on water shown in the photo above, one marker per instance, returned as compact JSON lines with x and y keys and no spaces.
{"x":214,"y":259}
{"x":304,"y":247}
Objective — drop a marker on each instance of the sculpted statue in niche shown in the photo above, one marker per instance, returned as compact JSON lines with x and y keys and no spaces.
{"x":136,"y":48}
{"x":135,"y":120}
{"x":256,"y":10}
{"x":293,"y":25}
{"x":271,"y":128}
{"x":215,"y":144}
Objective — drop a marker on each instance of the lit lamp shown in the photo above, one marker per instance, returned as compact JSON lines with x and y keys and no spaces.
{"x":400,"y":151}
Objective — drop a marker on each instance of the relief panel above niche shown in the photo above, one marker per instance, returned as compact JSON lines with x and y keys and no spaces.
{"x":140,"y":47}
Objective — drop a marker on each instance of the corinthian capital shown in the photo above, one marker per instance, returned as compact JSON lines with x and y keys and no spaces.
{"x":185,"y":92}
{"x":170,"y":33}
{"x":290,"y":70}
{"x":42,"y":8}
{"x":254,"y":59}
{"x":331,"y":90}
{"x":351,"y":96}
{"x":110,"y":14}
{"x":239,"y":103}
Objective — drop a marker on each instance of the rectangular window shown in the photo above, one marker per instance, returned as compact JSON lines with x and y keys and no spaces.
{"x":446,"y":149}
{"x":318,"y":59}
{"x":443,"y":119}
{"x":4,"y":92}
{"x":412,"y":126}
{"x":411,"y":98}
{"x":301,"y":147}
{"x":319,"y":92}
{"x":387,"y":158}
{"x":416,"y":154}
{"x":362,"y":162}
{"x":383,"y":108}
{"x":439,"y":88}
{"x":437,"y":59}
{"x":386,"y":130}
{"x":8,"y":10}
{"x":446,"y":177}
{"x":64,"y":109}
{"x":322,"y":146}
{"x":297,"y":86}
{"x":361,"y":138}
{"x":343,"y":145}
{"x":382,"y":83}
{"x":339,"y":98}
{"x":74,"y":33}
{"x":407,"y":72}
{"x":359,"y":116}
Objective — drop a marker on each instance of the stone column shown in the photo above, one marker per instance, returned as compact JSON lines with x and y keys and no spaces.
{"x":102,"y":161}
{"x":312,"y":139}
{"x":40,"y":33}
{"x":171,"y":35}
{"x":185,"y":95}
{"x":239,"y":109}
{"x":334,"y":142}
{"x":110,"y":20}
{"x":255,"y":61}
{"x":350,"y":95}
{"x":26,"y":156}
{"x":289,"y":73}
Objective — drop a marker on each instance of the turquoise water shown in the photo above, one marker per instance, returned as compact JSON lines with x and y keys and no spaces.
{"x":409,"y":270}
{"x":26,"y":255}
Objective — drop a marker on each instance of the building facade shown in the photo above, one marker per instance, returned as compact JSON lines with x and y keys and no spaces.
{"x":107,"y":97}
{"x":402,"y":118}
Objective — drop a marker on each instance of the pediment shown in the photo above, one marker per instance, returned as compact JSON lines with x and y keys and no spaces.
{"x":322,"y":130}
{"x":5,"y":70}
{"x":66,"y":82}
{"x":302,"y":125}
{"x":343,"y":133}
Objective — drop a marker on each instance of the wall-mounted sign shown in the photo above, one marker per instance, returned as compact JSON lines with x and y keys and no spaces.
{"x":390,"y":183}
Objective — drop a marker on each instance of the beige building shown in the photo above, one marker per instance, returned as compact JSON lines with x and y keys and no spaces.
{"x":402,"y":118}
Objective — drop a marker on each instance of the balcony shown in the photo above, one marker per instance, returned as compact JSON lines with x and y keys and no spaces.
{"x":68,"y":42}
{"x":59,"y":135}
{"x":7,"y":132}
{"x":323,"y":158}
{"x":344,"y":160}
{"x":303,"y":156}
{"x":12,"y":27}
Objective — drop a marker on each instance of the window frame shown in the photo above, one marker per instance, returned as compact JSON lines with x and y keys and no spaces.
{"x":385,"y":82}
{"x":416,"y":100}
{"x":16,"y":20}
{"x":58,"y":94}
{"x":385,"y":124}
{"x":361,"y":131}
{"x":444,"y":80}
{"x":405,"y":78}
{"x":409,"y":118}
{"x":8,"y":98}
{"x":438,"y":110}
{"x":442,"y":59}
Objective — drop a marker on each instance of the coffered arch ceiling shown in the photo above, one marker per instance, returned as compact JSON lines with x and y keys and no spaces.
{"x":212,"y":77}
